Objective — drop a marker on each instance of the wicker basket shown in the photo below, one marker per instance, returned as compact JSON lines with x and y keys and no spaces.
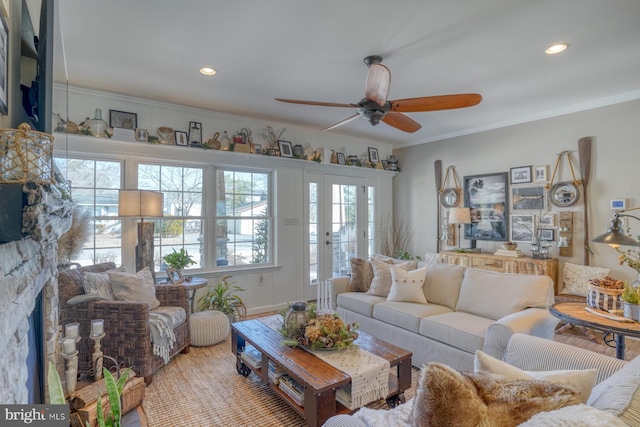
{"x":603,"y":298}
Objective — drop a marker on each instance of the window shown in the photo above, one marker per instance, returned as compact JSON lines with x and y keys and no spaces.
{"x":182,"y":224}
{"x":314,"y":241}
{"x":371,"y":221}
{"x":94,"y":187}
{"x":243,"y":220}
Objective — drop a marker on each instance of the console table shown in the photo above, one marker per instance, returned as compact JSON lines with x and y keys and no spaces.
{"x":504,"y":264}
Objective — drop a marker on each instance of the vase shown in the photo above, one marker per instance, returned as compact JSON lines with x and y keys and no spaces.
{"x":296,"y":317}
{"x":631,"y":311}
{"x":225,"y":142}
{"x":97,"y":126}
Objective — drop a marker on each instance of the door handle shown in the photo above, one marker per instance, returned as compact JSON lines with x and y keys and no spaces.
{"x":328,"y":242}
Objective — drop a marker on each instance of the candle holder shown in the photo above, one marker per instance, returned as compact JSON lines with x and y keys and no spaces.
{"x":97,"y":356}
{"x":71,"y":371}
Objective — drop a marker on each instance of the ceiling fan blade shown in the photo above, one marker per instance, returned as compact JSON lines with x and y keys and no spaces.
{"x":400,"y":121}
{"x":435,"y":103}
{"x":378,"y":82}
{"x":322,"y":104}
{"x":340,"y":123}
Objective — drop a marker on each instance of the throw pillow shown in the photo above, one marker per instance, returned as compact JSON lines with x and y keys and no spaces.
{"x":361,"y":275}
{"x":446,"y":397}
{"x":582,"y":380}
{"x":407,"y":285}
{"x":98,"y":284}
{"x":575,"y":415}
{"x":620,"y":393}
{"x":135,"y":287}
{"x":381,"y":283}
{"x":575,"y":278}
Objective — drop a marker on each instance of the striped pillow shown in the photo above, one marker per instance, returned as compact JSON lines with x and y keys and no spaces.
{"x":620,"y":394}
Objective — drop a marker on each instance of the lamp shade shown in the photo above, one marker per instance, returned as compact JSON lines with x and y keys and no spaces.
{"x":460,"y":216}
{"x":140,"y":203}
{"x":615,"y":236}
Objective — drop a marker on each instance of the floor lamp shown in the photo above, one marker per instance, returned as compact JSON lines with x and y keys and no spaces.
{"x":459,"y":216}
{"x":141,"y":204}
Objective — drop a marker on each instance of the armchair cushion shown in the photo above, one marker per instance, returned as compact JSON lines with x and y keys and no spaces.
{"x":134,"y":287}
{"x":174,"y":315}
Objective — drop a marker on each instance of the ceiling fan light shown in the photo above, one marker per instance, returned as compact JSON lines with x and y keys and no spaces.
{"x":208,"y":71}
{"x":556,"y":48}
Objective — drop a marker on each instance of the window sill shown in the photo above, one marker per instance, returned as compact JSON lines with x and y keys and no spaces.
{"x":233,"y":270}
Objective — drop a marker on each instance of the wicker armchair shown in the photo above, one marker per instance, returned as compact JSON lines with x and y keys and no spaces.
{"x":126,"y":323}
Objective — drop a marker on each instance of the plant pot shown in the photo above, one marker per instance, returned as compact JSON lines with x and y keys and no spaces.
{"x":631,"y":311}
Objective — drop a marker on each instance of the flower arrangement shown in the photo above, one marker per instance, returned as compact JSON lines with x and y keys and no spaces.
{"x":323,"y":332}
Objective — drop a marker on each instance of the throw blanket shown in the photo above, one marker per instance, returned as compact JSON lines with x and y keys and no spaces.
{"x":162,"y":335}
{"x":369,"y":373}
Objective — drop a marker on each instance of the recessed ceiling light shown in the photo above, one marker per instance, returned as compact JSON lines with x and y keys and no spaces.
{"x":208,"y":71}
{"x":556,"y":48}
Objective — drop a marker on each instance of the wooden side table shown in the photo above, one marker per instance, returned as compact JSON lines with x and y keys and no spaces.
{"x":191,"y":285}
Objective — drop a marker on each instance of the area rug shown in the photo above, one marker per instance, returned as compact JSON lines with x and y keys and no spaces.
{"x":202,"y":388}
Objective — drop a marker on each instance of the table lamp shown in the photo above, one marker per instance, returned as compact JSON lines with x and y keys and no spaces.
{"x":142,"y":203}
{"x":459,"y":216}
{"x":615,"y":235}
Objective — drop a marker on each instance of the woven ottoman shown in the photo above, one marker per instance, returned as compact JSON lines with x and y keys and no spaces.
{"x":209,"y":327}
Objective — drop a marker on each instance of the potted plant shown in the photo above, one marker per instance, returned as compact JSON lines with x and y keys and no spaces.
{"x":631,"y":302}
{"x":222,"y":297}
{"x":178,"y":259}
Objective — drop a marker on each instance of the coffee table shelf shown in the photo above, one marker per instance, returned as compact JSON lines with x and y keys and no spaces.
{"x":319,"y":379}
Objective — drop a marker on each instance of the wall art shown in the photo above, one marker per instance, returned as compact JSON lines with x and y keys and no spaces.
{"x":487,"y":197}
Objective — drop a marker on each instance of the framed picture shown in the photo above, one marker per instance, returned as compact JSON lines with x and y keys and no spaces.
{"x":546,"y":235}
{"x":546,"y":220}
{"x":142,"y":135}
{"x":521,"y":175}
{"x":541,"y":173}
{"x":373,"y":155}
{"x":4,"y":64}
{"x":286,"y":149}
{"x":385,"y":165}
{"x":195,"y":133}
{"x":122,"y":119}
{"x":342,"y":160}
{"x":257,"y":148}
{"x":529,"y":198}
{"x":522,"y":228}
{"x":487,"y":197}
{"x":174,"y":275}
{"x":181,"y":138}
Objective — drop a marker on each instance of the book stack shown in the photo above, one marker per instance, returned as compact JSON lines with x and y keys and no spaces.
{"x":251,"y":356}
{"x":275,"y":372}
{"x":517,"y":253}
{"x":292,"y":389}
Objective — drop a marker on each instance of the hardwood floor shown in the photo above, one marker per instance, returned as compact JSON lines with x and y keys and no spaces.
{"x":576,"y":337}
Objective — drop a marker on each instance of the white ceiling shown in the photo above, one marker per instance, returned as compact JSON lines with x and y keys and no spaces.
{"x":313,"y":50}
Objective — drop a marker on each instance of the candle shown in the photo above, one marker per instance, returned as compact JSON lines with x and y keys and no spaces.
{"x":97,"y":327}
{"x":69,"y":345}
{"x":71,"y":330}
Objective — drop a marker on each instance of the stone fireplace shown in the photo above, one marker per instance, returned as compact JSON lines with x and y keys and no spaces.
{"x":28,"y":273}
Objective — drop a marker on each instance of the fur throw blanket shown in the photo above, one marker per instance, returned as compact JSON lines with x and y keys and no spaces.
{"x":446,"y":397}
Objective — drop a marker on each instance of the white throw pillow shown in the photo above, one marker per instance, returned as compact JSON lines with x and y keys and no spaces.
{"x":381,"y":283}
{"x":574,"y":415}
{"x":97,"y":285}
{"x":575,"y":278}
{"x":407,"y":285}
{"x":583,"y":380}
{"x":135,"y":287}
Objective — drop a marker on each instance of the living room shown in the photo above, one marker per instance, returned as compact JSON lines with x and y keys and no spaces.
{"x":473,"y":147}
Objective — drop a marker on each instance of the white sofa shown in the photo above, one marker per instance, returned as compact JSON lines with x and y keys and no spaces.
{"x":467,"y":310}
{"x":616,"y":393}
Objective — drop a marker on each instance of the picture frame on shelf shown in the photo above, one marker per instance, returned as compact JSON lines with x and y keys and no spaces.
{"x":522,"y":228}
{"x":257,"y":148}
{"x":195,"y":133}
{"x":174,"y":275}
{"x":487,"y":197}
{"x":541,"y":173}
{"x":4,"y":66}
{"x":286,"y":148}
{"x":385,"y":165}
{"x":342,"y":160}
{"x":373,"y":155}
{"x":521,"y":175}
{"x":123,"y":119}
{"x":546,"y":235}
{"x":142,"y":135}
{"x":531,"y":198}
{"x":181,"y":138}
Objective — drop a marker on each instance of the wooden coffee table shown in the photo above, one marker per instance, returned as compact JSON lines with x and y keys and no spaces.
{"x":319,"y":379}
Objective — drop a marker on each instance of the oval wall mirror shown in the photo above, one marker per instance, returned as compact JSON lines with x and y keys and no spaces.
{"x":564,"y":194}
{"x":449,"y":198}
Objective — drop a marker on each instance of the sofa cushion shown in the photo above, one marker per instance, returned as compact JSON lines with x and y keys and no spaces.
{"x":381,"y":283}
{"x":575,"y":278}
{"x":406,"y":315}
{"x":175,"y":315}
{"x":442,"y":284}
{"x":583,"y":379}
{"x":135,"y":287}
{"x":495,"y":295}
{"x":359,"y":302}
{"x":620,"y":393}
{"x":457,"y":329}
{"x":407,"y":285}
{"x":361,"y":275}
{"x":445,"y":397}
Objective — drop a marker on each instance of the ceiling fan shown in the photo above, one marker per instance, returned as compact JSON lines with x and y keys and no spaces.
{"x":375,"y":107}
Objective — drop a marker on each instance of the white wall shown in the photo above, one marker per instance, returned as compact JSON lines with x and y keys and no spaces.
{"x":615,"y":131}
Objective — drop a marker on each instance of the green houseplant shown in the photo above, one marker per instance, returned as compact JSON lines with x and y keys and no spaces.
{"x":178,"y":259}
{"x":221,"y":297}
